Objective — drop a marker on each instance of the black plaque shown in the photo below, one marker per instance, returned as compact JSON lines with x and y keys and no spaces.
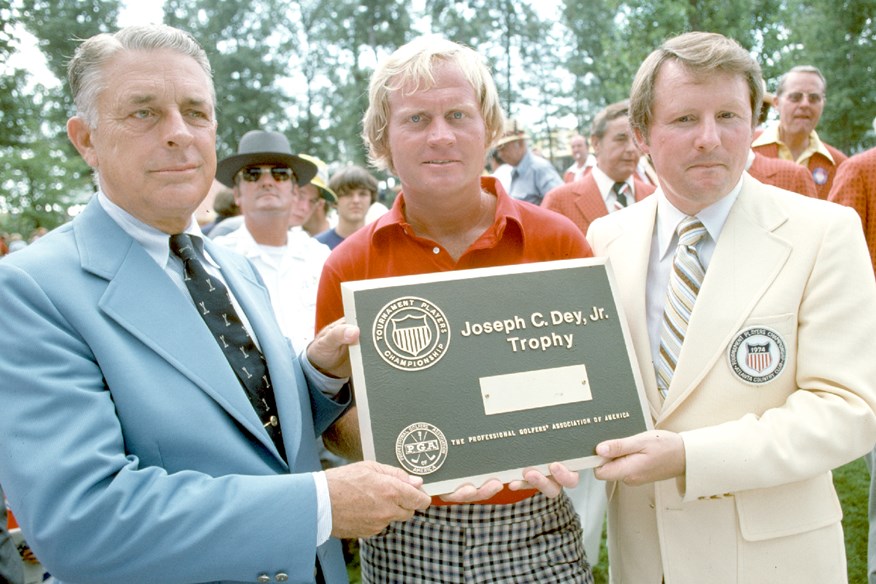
{"x":468,"y":375}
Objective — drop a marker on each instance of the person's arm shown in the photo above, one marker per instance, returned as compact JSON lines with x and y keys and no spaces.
{"x":827,"y":421}
{"x":547,"y":179}
{"x":94,"y":511}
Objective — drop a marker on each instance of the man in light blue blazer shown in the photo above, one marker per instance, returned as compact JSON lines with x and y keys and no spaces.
{"x":130,"y":450}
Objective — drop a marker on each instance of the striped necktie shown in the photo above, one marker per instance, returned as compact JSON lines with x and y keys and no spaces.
{"x":684,"y":285}
{"x":622,"y":194}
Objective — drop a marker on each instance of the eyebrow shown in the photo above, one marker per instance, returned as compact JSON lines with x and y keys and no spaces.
{"x":147,"y":98}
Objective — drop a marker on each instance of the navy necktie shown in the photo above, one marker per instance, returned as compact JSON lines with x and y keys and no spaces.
{"x":214,"y":305}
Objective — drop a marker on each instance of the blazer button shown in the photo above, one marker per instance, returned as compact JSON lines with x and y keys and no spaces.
{"x":263,"y":578}
{"x":281,"y":577}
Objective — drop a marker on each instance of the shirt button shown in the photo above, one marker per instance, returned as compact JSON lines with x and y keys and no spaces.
{"x":281,"y":577}
{"x":436,"y":250}
{"x":264,"y":578}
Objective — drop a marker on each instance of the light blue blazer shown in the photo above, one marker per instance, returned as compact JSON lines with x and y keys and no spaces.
{"x":127,"y":445}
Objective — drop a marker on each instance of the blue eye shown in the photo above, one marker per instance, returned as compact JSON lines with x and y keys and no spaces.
{"x":457,"y":115}
{"x":416,"y":118}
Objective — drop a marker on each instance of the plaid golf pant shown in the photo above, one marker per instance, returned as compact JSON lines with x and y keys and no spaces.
{"x":535,"y":540}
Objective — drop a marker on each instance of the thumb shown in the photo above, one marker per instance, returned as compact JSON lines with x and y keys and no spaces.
{"x":611,"y":448}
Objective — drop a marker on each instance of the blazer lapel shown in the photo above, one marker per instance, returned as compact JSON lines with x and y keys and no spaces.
{"x":588,"y":200}
{"x":143,"y":300}
{"x":748,"y":257}
{"x":255,"y":302}
{"x":631,"y":250}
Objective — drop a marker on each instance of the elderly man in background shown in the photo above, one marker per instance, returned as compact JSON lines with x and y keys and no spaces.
{"x":613,"y":183}
{"x":531,"y":176}
{"x":800,"y":98}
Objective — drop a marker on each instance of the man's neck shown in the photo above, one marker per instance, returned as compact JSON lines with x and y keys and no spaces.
{"x":268,"y":229}
{"x":313,"y":228}
{"x":456,"y":223}
{"x":797,"y":143}
{"x":346,"y":228}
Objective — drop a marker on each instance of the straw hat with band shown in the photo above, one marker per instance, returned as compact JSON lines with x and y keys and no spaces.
{"x":259,"y":147}
{"x":513,"y":132}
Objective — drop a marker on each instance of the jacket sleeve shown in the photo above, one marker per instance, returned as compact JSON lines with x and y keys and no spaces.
{"x":94,"y":511}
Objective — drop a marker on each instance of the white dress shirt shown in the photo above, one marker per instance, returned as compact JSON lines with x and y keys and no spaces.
{"x":290,"y":273}
{"x":663,"y":243}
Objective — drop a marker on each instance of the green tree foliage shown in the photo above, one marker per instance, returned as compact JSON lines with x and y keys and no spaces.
{"x":41,"y":175}
{"x":840,"y":39}
{"x":248,"y":45}
{"x":347,"y":40}
{"x":303,"y":67}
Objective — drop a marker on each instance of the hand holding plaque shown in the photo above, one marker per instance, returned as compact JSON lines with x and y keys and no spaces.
{"x":465,"y":376}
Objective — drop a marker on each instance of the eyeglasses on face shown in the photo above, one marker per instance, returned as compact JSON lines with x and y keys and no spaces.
{"x":279,"y":174}
{"x":797,"y":97}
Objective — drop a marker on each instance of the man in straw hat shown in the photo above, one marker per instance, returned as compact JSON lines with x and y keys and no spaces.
{"x":531,"y":176}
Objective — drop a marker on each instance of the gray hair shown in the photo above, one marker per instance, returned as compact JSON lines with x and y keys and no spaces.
{"x":609,"y":114}
{"x":780,"y":88}
{"x":85,"y":70}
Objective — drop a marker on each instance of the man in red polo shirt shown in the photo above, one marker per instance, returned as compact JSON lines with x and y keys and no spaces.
{"x":432,"y":116}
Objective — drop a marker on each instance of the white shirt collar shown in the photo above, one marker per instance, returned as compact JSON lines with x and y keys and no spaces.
{"x":154,"y":241}
{"x":713,"y":218}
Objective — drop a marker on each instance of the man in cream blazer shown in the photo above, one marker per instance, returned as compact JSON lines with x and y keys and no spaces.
{"x":773,"y":385}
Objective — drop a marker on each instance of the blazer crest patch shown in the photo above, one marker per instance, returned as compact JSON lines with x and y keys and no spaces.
{"x":757,"y":355}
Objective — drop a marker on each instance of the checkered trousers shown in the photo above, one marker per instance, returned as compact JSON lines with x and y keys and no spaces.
{"x":537,"y":540}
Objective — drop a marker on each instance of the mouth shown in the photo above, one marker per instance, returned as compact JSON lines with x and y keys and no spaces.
{"x":440,"y":162}
{"x":706,"y":165}
{"x":177,"y":169}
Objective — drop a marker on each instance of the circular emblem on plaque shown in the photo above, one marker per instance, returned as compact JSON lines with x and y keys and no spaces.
{"x":757,"y":355}
{"x":421,"y":448}
{"x":411,"y":333}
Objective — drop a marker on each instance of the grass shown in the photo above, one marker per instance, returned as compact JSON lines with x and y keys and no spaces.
{"x":852,"y":482}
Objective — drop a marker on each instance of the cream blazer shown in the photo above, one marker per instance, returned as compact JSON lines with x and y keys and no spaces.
{"x":761,"y":434}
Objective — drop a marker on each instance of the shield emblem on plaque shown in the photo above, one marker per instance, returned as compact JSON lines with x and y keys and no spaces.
{"x":411,"y":334}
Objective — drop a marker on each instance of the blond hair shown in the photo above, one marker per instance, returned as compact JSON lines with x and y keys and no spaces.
{"x":410,"y":69}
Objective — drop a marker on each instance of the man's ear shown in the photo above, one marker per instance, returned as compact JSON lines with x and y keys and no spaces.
{"x":80,"y":135}
{"x":641,"y":142}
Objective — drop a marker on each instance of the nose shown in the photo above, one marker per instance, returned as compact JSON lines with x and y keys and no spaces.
{"x":708,"y":137}
{"x":440,"y":131}
{"x":176,"y":129}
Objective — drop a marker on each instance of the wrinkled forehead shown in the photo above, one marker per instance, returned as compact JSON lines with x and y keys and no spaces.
{"x":803,"y":81}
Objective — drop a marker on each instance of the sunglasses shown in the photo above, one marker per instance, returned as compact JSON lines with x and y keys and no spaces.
{"x":279,"y":174}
